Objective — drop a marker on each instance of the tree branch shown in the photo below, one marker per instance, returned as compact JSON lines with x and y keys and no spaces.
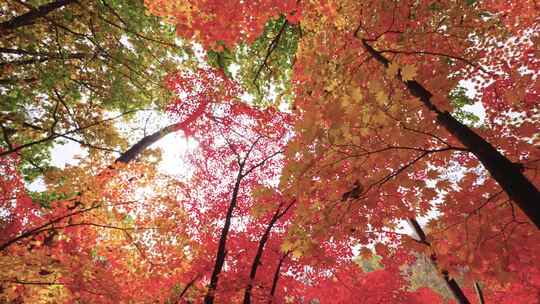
{"x":518,"y":187}
{"x":31,"y":17}
{"x":262,"y":242}
{"x":450,"y":282}
{"x":271,"y":47}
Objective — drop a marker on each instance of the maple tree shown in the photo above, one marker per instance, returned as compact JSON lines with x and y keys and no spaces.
{"x":321,"y":127}
{"x":240,"y":146}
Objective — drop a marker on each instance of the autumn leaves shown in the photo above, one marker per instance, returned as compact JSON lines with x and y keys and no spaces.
{"x":279,"y":205}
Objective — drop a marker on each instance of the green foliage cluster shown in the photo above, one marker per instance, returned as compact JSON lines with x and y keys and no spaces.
{"x":70,"y":68}
{"x":459,"y":99}
{"x":263,"y":68}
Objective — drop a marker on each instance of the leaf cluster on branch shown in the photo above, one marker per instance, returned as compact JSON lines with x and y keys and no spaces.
{"x":373,"y":151}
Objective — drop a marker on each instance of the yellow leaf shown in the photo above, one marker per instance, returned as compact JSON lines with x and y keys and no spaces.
{"x":345,"y":100}
{"x":380,"y":118}
{"x":286,"y":246}
{"x":408,"y":72}
{"x":364,"y":131}
{"x":392,"y":69}
{"x":257,"y":211}
{"x":332,"y":85}
{"x":394,"y":108}
{"x":356,"y":94}
{"x":340,"y":22}
{"x":375,"y":86}
{"x":381,"y":97}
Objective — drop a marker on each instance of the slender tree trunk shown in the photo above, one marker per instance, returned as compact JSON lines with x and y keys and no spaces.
{"x":276,"y":277}
{"x":450,"y":282}
{"x":455,"y":289}
{"x":506,"y":173}
{"x":147,"y":141}
{"x":257,"y":260}
{"x":222,"y":252}
{"x":479,"y":293}
{"x":186,"y":288}
{"x":31,"y":16}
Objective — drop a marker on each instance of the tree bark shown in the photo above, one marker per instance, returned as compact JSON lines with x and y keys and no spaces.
{"x":455,"y":289}
{"x":145,"y":142}
{"x":257,"y":260}
{"x":479,"y":293}
{"x":276,"y":277}
{"x":31,"y":16}
{"x":186,"y":288}
{"x":450,"y":282}
{"x":506,"y":173}
{"x":222,"y":252}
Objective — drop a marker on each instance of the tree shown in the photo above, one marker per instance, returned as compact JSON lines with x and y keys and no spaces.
{"x":305,"y":204}
{"x":240,"y":146}
{"x":347,"y":103}
{"x":66,"y":66}
{"x":374,"y":132}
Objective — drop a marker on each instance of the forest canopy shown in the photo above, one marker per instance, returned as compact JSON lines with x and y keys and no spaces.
{"x":333,"y":151}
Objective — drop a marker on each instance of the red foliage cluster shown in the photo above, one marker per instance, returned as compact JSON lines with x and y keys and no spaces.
{"x":276,"y":204}
{"x":17,"y":211}
{"x":230,"y":21}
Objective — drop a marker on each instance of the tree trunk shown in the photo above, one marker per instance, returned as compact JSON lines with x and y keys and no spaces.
{"x":506,"y":173}
{"x":222,"y":252}
{"x":450,"y":282}
{"x":145,"y":142}
{"x":455,"y":289}
{"x":479,"y":293}
{"x":276,"y":277}
{"x":257,"y":260}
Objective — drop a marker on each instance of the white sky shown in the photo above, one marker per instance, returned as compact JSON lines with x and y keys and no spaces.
{"x":173,"y":147}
